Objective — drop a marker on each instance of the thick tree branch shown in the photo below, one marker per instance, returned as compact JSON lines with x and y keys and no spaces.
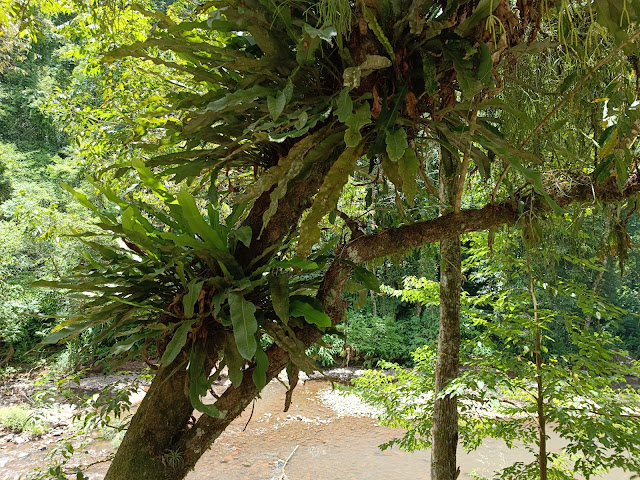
{"x":402,"y":239}
{"x":394,"y":241}
{"x":233,"y":401}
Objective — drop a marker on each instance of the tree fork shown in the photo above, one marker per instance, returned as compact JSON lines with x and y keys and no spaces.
{"x":163,"y":414}
{"x":162,"y":423}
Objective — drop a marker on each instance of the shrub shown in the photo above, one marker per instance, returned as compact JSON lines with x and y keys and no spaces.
{"x":19,"y":418}
{"x":14,"y":418}
{"x":327,"y":350}
{"x":377,"y":338}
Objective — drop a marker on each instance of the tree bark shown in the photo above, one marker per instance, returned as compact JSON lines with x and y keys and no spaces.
{"x":445,"y":408}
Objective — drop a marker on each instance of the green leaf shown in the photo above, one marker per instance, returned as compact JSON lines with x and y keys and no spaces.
{"x":310,"y":314}
{"x":276,"y":105}
{"x":189,"y":300}
{"x":126,"y":345}
{"x":301,"y":122}
{"x":466,"y":77}
{"x":375,"y":62}
{"x":355,"y":121}
{"x":536,"y":179}
{"x":601,"y":172}
{"x":372,"y":21}
{"x":214,"y":217}
{"x":366,"y":278}
{"x":244,"y":323}
{"x":289,"y":343}
{"x":296,"y":262}
{"x":236,"y":213}
{"x":288,"y":91}
{"x":325,"y":34}
{"x":351,"y":77}
{"x":66,"y":332}
{"x":134,"y":230}
{"x":622,"y":169}
{"x":608,"y":141}
{"x":391,"y":171}
{"x":327,"y":198}
{"x":110,"y":194}
{"x":260,"y":372}
{"x":197,"y":223}
{"x":218,"y":301}
{"x":396,"y":144}
{"x":183,"y":240}
{"x":408,"y":170}
{"x":151,"y":181}
{"x":567,"y":82}
{"x":307,"y":48}
{"x":243,"y":96}
{"x":176,"y":344}
{"x":344,"y":105}
{"x":243,"y":234}
{"x":486,"y":64}
{"x":198,"y":380}
{"x":80,"y":197}
{"x":234,"y":361}
{"x":279,"y":287}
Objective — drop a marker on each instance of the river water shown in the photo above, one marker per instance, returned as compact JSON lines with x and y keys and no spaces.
{"x":324,"y":436}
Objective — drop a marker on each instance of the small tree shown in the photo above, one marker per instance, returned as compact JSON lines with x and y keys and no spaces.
{"x":513,"y":386}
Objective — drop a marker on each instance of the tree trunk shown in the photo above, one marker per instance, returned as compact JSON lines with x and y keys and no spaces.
{"x":164,"y":441}
{"x":445,"y":410}
{"x":542,"y":419}
{"x":373,"y":301}
{"x":162,"y":417}
{"x":163,"y":414}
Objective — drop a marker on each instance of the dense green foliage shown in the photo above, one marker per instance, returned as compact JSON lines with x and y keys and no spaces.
{"x":253,"y":118}
{"x":36,"y":214}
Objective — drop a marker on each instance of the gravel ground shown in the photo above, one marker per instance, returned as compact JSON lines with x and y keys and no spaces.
{"x":346,"y":404}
